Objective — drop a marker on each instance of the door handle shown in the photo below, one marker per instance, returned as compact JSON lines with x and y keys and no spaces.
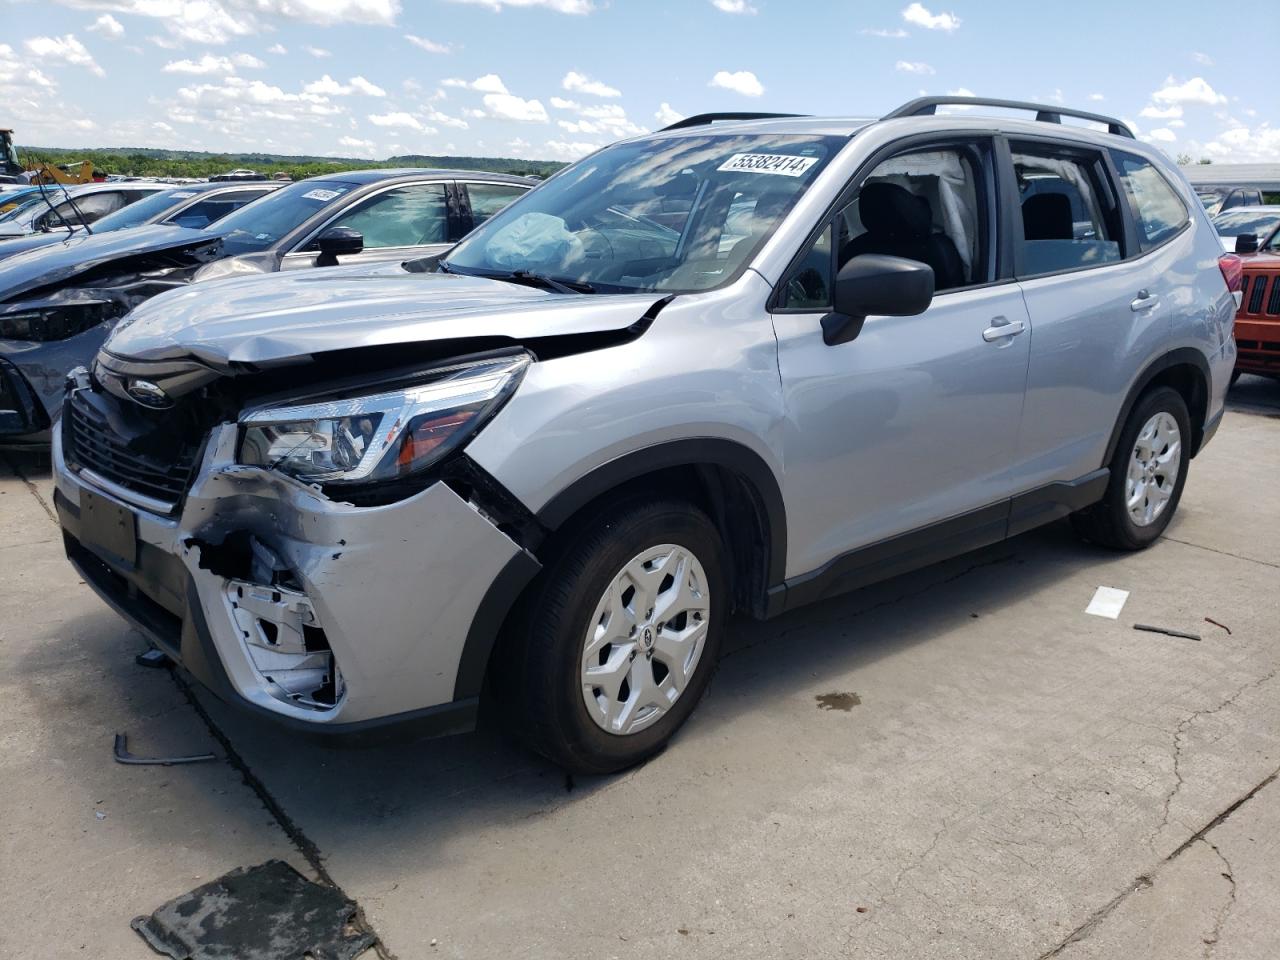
{"x":997,"y":330}
{"x":1144,"y":301}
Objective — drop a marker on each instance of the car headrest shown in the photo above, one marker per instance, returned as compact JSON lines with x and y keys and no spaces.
{"x":1047,"y":216}
{"x":889,"y":210}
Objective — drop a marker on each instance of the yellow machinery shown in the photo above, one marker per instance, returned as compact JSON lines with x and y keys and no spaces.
{"x":66,"y":173}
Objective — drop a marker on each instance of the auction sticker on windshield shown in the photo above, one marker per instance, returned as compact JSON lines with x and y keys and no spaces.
{"x":324,"y":195}
{"x":768,"y":163}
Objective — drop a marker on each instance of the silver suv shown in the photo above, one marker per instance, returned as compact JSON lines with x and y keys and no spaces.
{"x":732,"y":367}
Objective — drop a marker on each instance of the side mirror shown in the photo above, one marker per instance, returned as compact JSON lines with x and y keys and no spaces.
{"x":1247,"y":243}
{"x":336,"y":242}
{"x":873,"y":283}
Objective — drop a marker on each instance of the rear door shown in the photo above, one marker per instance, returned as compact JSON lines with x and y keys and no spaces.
{"x":1094,"y":301}
{"x":398,"y":223}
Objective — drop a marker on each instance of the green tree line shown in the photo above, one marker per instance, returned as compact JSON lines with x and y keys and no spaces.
{"x":142,"y":162}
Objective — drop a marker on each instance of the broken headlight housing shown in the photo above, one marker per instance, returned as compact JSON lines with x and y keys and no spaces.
{"x":357,"y":440}
{"x":43,"y":323}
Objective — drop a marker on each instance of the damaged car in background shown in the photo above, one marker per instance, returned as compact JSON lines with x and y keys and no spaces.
{"x":195,"y":205}
{"x":726,"y":367}
{"x":58,"y":303}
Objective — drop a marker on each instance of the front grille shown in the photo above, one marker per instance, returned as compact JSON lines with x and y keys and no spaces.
{"x":95,"y":446}
{"x":1273,"y":301}
{"x":1256,"y":294}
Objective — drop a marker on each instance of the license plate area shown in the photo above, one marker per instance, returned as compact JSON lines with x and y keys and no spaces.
{"x":108,"y":529}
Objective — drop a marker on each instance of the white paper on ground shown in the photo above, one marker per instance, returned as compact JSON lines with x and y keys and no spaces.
{"x":1107,"y":602}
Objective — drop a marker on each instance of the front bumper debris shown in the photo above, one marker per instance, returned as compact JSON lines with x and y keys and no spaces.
{"x":322,"y":614}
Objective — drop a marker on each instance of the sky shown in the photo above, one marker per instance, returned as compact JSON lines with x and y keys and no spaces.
{"x":555,"y":79}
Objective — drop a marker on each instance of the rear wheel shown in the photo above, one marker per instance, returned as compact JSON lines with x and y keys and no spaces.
{"x":619,"y":642}
{"x":1148,"y":472}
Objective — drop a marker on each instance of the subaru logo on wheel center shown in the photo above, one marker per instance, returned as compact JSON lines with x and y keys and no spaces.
{"x":648,"y":638}
{"x":149,"y":395}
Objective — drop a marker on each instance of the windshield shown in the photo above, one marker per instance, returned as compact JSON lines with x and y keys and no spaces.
{"x":1212,"y":201}
{"x":260,"y":224}
{"x":142,"y":211}
{"x":1232,"y":223}
{"x":676,"y":215}
{"x":27,"y":205}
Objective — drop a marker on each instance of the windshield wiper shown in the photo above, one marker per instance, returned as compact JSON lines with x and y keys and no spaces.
{"x":546,"y":283}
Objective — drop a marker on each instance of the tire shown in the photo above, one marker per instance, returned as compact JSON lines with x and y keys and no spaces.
{"x":542,"y":670}
{"x":1111,"y":522}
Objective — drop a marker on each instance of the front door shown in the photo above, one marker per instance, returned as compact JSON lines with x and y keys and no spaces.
{"x":915,"y":421}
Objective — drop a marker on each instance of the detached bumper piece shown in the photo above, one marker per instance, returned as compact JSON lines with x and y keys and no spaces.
{"x":20,"y":411}
{"x":257,"y":913}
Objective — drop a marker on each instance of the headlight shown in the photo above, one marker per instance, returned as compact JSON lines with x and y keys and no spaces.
{"x":383,"y":436}
{"x":54,"y":322}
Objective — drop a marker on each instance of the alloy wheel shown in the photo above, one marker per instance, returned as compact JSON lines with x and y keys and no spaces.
{"x":1153,"y":469}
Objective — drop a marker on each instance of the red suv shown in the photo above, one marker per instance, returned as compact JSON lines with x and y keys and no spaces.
{"x":1258,"y":319}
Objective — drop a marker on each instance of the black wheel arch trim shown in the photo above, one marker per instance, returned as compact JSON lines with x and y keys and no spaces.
{"x":520,"y":570}
{"x":1183,"y":356}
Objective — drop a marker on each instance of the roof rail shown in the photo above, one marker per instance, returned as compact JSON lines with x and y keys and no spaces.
{"x":702,"y":119}
{"x":1046,"y":113}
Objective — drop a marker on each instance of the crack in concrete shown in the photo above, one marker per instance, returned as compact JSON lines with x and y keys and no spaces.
{"x":31,"y":487}
{"x":1224,"y":553}
{"x":304,"y":844}
{"x":1143,"y":882}
{"x":1211,"y":941}
{"x":1180,"y":732}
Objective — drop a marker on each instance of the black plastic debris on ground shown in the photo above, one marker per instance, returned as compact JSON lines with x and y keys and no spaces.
{"x":268,"y":912}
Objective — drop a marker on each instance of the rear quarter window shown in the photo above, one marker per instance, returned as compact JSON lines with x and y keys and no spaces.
{"x":1157,"y":209}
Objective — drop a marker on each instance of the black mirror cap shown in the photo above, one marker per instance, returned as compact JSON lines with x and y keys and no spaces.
{"x":1247,"y":243}
{"x":336,"y":242}
{"x":874,"y":283}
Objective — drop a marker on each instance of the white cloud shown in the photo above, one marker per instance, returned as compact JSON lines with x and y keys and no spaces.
{"x":1202,"y":58}
{"x":895,"y":33}
{"x":559,"y":6}
{"x":564,"y":150}
{"x":741,"y":81}
{"x":430,"y":46}
{"x":920,"y":16}
{"x":733,"y":6}
{"x":364,"y":146}
{"x":1162,"y":135}
{"x":435,"y":116}
{"x":562,"y":104}
{"x":278,"y":49}
{"x":66,"y":49}
{"x":506,"y":106}
{"x":205,"y":65}
{"x":1195,"y":90}
{"x":579,"y":83}
{"x":1178,"y":124}
{"x":108,"y":26}
{"x":1161,"y":113}
{"x":400,"y":119}
{"x":489,"y":83}
{"x":328,"y":87}
{"x":474,"y":113}
{"x":218,"y":21}
{"x":318,"y":52}
{"x":1096,"y":97}
{"x":905,"y":66}
{"x":667,"y":115}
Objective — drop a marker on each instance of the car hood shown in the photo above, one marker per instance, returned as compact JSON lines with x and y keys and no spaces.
{"x":289,"y":317}
{"x":41,"y":267}
{"x":32,"y":241}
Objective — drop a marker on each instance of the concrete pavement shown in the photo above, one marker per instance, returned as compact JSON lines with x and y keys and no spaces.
{"x":998,"y":775}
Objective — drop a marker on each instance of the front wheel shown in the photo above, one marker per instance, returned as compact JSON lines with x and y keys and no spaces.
{"x":1148,"y":472}
{"x":620,"y":639}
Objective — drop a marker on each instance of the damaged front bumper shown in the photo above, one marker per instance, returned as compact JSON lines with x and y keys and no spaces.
{"x":324,"y":615}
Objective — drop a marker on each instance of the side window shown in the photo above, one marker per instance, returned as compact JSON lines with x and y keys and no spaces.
{"x":488,"y":198}
{"x":407,"y":216}
{"x":93,"y":207}
{"x":923,"y":206}
{"x":204,"y":212}
{"x":1068,"y":222}
{"x":1156,"y":206}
